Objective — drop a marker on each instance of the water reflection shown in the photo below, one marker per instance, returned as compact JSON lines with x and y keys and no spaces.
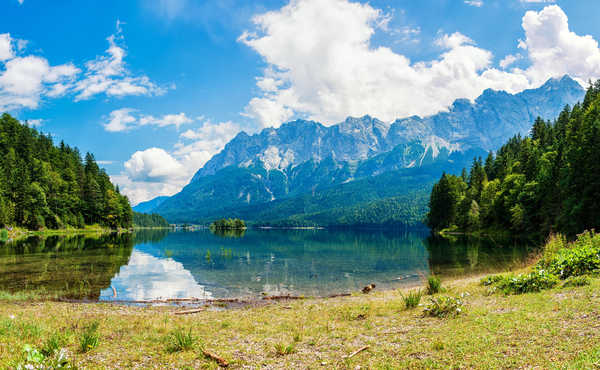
{"x":161,"y":264}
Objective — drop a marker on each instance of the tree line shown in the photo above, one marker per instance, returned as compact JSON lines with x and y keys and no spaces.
{"x":47,"y":186}
{"x":547,"y":182}
{"x":149,"y":220}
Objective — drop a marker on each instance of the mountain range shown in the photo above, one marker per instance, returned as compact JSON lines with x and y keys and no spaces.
{"x":361,"y":171}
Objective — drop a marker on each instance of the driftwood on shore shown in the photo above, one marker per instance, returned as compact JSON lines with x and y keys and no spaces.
{"x":219,"y":360}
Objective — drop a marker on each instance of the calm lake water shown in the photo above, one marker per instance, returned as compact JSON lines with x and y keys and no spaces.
{"x":162,"y":264}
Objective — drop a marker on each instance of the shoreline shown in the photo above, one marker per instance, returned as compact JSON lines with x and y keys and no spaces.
{"x":554,"y":327}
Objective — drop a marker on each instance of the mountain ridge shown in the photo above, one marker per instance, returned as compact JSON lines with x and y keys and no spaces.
{"x":304,"y":157}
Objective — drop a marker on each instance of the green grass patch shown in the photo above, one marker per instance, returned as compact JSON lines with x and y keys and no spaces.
{"x":434,"y":285}
{"x":90,"y":337}
{"x":443,"y":306}
{"x":412,"y":298}
{"x":180,"y":340}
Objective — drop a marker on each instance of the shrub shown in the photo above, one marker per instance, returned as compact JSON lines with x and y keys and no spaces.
{"x":434,"y":285}
{"x":180,"y":340}
{"x":491,"y":280}
{"x":89,"y":338}
{"x":443,"y":306}
{"x":575,"y":281}
{"x":526,"y":283}
{"x":3,"y":236}
{"x":574,"y":259}
{"x":412,"y":299}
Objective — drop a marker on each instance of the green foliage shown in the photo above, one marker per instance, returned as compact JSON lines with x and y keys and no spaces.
{"x":3,"y":236}
{"x":575,"y":281}
{"x":180,"y":340}
{"x":48,"y":186}
{"x":149,"y":220}
{"x":412,"y":299}
{"x":575,"y":259}
{"x":443,"y":306}
{"x":526,"y":283}
{"x":89,"y":338}
{"x":53,"y":344}
{"x":228,"y":224}
{"x":283,"y":349}
{"x":35,"y":359}
{"x":547,"y":182}
{"x":434,"y":285}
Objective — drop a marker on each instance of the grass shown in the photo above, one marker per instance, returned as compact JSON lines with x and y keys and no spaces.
{"x":412,"y":298}
{"x":180,"y":340}
{"x":553,"y":328}
{"x":434,"y":285}
{"x":89,"y":338}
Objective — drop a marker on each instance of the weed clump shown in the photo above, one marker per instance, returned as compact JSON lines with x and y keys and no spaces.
{"x":575,"y":281}
{"x":443,"y":306}
{"x":89,"y":338}
{"x":434,"y":285}
{"x":412,"y":299}
{"x":181,"y":340}
{"x":282,"y":349}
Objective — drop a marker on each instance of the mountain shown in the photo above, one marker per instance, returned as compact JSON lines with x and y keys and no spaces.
{"x":305,"y":172}
{"x":149,"y":206}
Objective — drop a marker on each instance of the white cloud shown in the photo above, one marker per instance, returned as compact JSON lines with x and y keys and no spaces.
{"x":554,"y":50}
{"x":108,"y":74}
{"x":26,"y":79}
{"x":34,"y":122}
{"x":125,"y":119}
{"x":153,"y":165}
{"x":6,"y":50}
{"x":20,"y":1}
{"x":321,"y":64}
{"x":538,"y":1}
{"x":477,"y":3}
{"x":155,"y":171}
{"x":509,"y":60}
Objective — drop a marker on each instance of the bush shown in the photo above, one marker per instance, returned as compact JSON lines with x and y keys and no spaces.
{"x":3,"y":236}
{"x":412,"y":299}
{"x":90,"y":337}
{"x":180,"y":340}
{"x":574,"y":259}
{"x":443,"y":306}
{"x":575,"y":281}
{"x":491,"y":280}
{"x":434,"y":285}
{"x":527,"y":283}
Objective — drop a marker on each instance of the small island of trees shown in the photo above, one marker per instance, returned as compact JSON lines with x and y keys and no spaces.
{"x":228,"y":224}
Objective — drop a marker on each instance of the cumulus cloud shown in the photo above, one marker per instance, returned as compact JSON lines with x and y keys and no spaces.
{"x":26,"y":79}
{"x":554,"y":50}
{"x":322,"y":65}
{"x":126,"y":119}
{"x":509,"y":60}
{"x":155,"y":171}
{"x":153,"y":165}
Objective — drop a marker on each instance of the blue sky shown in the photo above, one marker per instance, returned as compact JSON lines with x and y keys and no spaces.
{"x":154,"y":88}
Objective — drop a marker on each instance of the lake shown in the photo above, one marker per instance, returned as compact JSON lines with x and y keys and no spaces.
{"x":153,"y":264}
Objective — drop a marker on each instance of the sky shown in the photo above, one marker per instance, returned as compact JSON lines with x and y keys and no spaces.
{"x":155,"y":88}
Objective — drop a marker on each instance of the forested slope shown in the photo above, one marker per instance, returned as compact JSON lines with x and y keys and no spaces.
{"x":548,"y":182}
{"x":43,"y":185}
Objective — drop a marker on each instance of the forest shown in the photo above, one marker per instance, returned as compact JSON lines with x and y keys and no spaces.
{"x":545,"y":183}
{"x":149,"y":220}
{"x":47,"y":186}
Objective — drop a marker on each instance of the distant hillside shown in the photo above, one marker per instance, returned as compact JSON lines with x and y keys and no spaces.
{"x":294,"y":172}
{"x":48,"y":186}
{"x":149,"y":206}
